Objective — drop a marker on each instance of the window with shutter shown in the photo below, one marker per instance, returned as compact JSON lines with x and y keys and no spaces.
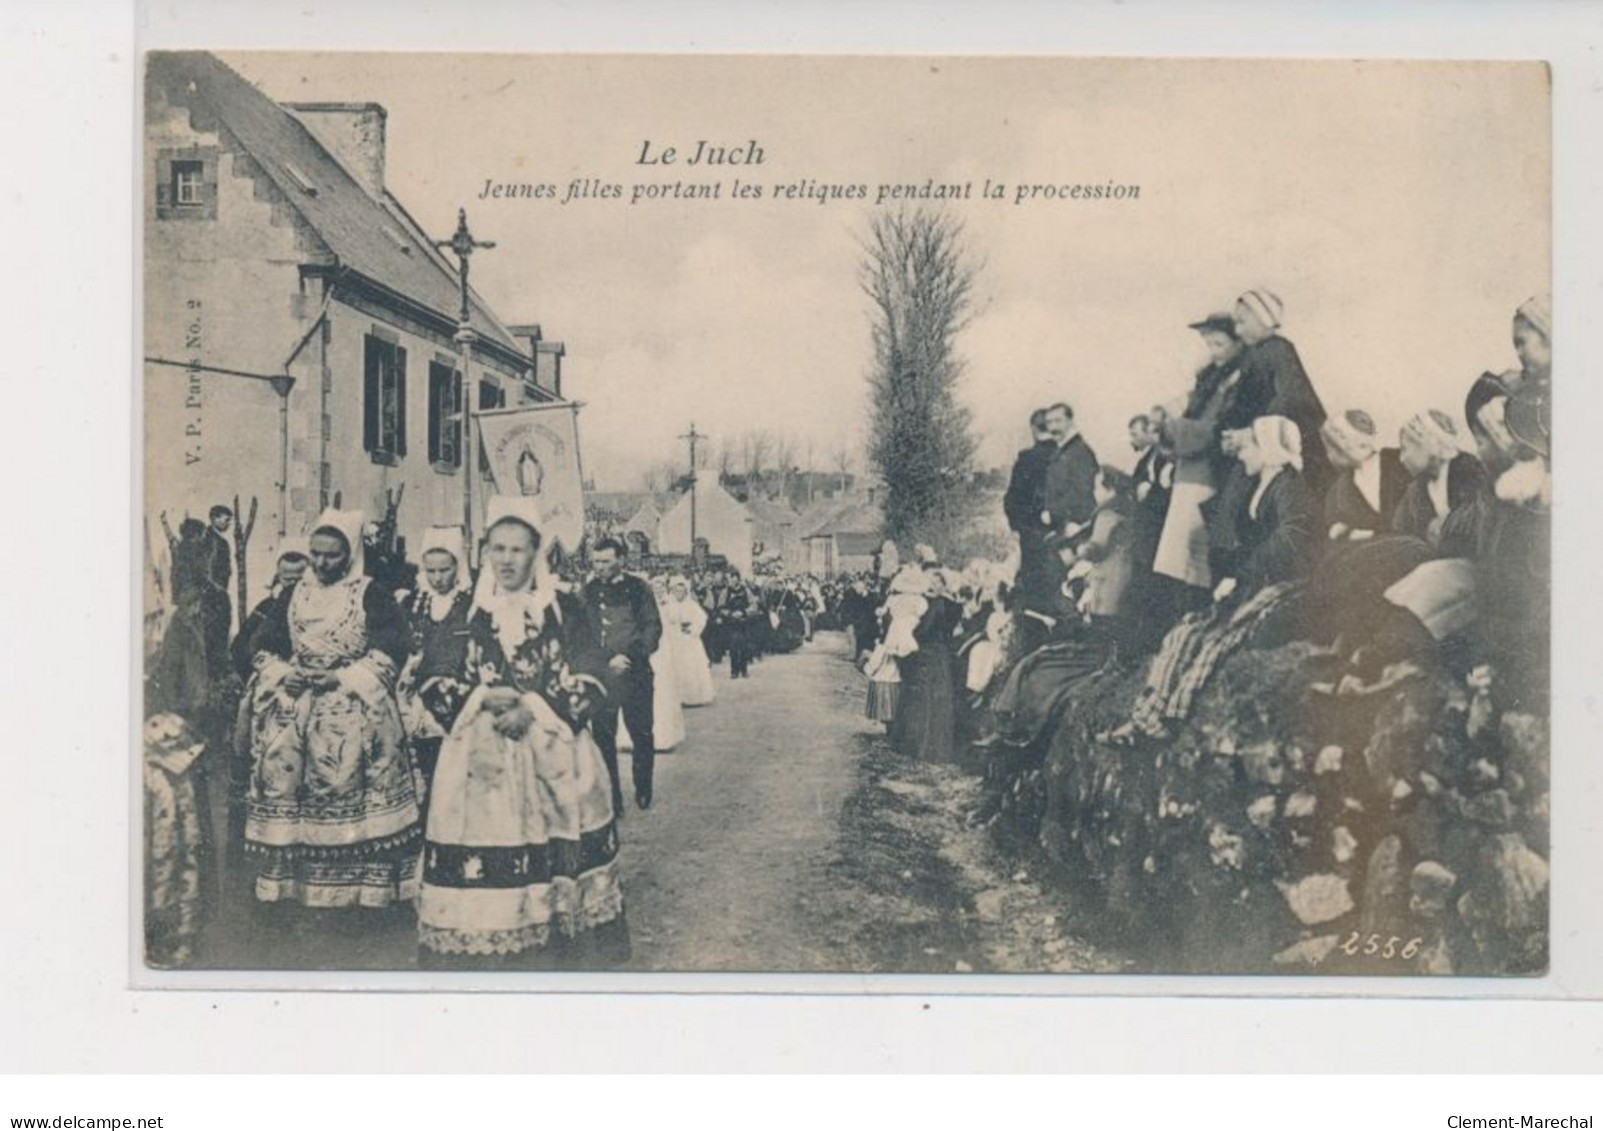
{"x":371,"y":395}
{"x":445,"y":424}
{"x":398,"y":392}
{"x":383,"y":399}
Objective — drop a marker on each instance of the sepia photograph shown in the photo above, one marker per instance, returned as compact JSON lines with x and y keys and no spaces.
{"x":829,"y":514}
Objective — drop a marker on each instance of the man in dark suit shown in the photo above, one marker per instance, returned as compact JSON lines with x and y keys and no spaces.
{"x":218,"y":609}
{"x":1023,"y":503}
{"x":1153,"y":474}
{"x":625,"y":612}
{"x":1069,"y":496}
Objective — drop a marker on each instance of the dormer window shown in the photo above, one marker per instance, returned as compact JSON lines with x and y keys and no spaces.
{"x":189,"y":184}
{"x":186,"y":184}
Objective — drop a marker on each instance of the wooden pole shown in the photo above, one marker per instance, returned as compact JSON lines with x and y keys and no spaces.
{"x":243,"y":526}
{"x":465,"y":338}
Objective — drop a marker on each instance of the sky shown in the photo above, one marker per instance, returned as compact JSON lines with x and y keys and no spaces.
{"x":1400,"y":210}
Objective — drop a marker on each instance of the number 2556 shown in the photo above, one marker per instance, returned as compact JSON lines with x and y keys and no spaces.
{"x":1373,"y":945}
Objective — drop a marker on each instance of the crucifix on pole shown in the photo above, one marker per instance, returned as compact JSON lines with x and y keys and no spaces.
{"x":463,"y":245}
{"x":693,"y":437}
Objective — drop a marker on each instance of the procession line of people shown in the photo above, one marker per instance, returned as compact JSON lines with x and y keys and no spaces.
{"x":450,"y":747}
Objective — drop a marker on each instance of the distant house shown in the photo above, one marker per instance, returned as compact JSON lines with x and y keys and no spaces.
{"x":846,"y":539}
{"x":776,"y":529}
{"x":628,"y":514}
{"x":722,"y":520}
{"x":298,"y":326}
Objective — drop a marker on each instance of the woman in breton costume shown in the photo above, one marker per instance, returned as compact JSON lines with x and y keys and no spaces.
{"x":520,"y":857}
{"x":667,"y":711}
{"x":904,"y":608}
{"x":683,"y":622}
{"x":1362,"y":554}
{"x":1444,"y":476}
{"x":331,"y":810}
{"x":1368,"y":482}
{"x":1258,"y":594}
{"x":432,"y":688}
{"x":925,"y":726}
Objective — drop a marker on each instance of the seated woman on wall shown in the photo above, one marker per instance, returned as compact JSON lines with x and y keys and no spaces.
{"x":1363,"y":556}
{"x":1484,"y":596}
{"x":1507,"y":531}
{"x":1369,"y":480}
{"x":1444,"y":475}
{"x":1278,"y":540}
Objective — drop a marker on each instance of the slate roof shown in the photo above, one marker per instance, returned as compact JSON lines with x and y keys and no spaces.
{"x":628,"y":504}
{"x":773,"y":512}
{"x":375,"y":238}
{"x":855,"y":516}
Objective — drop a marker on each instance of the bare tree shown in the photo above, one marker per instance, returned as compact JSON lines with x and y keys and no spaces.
{"x":661,"y":476}
{"x":756,"y":446}
{"x":727,"y":460}
{"x":917,"y":272}
{"x":841,"y":460}
{"x":784,"y":461}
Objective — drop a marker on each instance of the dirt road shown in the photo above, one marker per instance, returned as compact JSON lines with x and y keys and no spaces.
{"x":786,"y":836}
{"x":789,"y":837}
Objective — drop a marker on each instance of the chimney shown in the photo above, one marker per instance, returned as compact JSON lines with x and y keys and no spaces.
{"x":548,"y":365}
{"x":546,"y":356}
{"x":353,"y":132}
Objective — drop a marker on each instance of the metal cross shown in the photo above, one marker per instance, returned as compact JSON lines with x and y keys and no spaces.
{"x":463,"y":245}
{"x":693,"y":437}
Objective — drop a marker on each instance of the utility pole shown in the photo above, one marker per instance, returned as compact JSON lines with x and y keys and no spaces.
{"x":692,"y":438}
{"x":463,"y":245}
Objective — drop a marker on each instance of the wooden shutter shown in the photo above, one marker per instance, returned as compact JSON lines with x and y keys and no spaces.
{"x":372,"y":393}
{"x":458,"y":419}
{"x":436,"y":415}
{"x":400,"y":401}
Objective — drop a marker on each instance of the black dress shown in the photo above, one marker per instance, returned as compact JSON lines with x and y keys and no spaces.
{"x":926,"y":719}
{"x":441,"y":647}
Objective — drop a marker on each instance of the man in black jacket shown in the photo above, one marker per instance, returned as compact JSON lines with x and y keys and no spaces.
{"x":625,"y":612}
{"x":1069,"y":491}
{"x":1024,"y":502}
{"x":218,"y":609}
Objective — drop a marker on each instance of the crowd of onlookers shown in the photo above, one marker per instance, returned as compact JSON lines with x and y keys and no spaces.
{"x":1254,"y":514}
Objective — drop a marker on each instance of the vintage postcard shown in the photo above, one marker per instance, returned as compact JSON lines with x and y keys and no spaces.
{"x":961,"y":516}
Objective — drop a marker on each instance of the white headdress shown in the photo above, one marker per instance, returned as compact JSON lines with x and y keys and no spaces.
{"x":349,"y":525}
{"x":450,"y":540}
{"x":1279,"y":440}
{"x":512,"y":612}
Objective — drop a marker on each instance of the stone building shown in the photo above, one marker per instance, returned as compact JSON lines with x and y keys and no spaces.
{"x":298,"y":322}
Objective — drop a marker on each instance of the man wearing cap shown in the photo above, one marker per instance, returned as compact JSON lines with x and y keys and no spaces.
{"x":625,"y":611}
{"x":1274,"y":382}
